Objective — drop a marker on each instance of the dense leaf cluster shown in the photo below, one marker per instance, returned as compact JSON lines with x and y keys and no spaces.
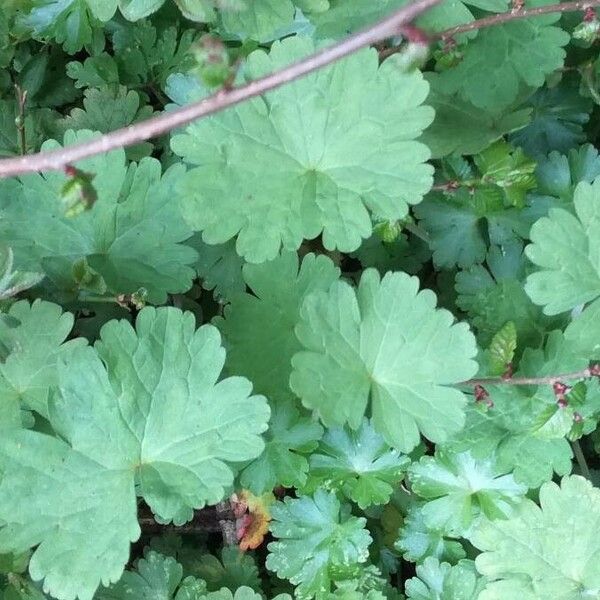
{"x":310,"y":310}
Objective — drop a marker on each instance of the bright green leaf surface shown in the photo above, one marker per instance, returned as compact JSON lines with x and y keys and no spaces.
{"x":131,"y":236}
{"x":156,"y":422}
{"x":461,"y":490}
{"x":290,"y":438}
{"x":547,"y":550}
{"x":315,"y":167}
{"x":503,"y":58}
{"x":358,"y":463}
{"x":259,"y":326}
{"x":315,"y":535}
{"x":566,"y":249}
{"x":383,"y":343}
{"x":31,"y":351}
{"x":441,"y":581}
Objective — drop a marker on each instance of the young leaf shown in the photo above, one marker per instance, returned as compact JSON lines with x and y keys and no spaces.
{"x":259,"y":326}
{"x":441,"y":581}
{"x":327,"y":150}
{"x":417,"y":540}
{"x":290,"y":437}
{"x":544,"y":551}
{"x":315,"y":536}
{"x":385,"y":343}
{"x":358,"y":463}
{"x":234,"y":569}
{"x":502,"y":349}
{"x":461,"y":491}
{"x":565,"y":248}
{"x":142,"y":414}
{"x":132,"y":236}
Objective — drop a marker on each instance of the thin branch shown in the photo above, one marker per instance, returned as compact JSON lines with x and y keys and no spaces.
{"x":514,"y":15}
{"x":165,"y":122}
{"x":204,"y":521}
{"x":580,"y":456}
{"x":547,"y":380}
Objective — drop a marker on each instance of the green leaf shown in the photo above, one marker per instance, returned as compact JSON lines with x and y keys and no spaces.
{"x":441,"y":581}
{"x":493,"y":295}
{"x":461,"y":491}
{"x":243,"y":593}
{"x":69,"y":22}
{"x":417,"y":540}
{"x":558,"y":175}
{"x":402,"y":254}
{"x":462,"y":224}
{"x":508,"y":168}
{"x":315,"y":536}
{"x":132,"y":236}
{"x":462,"y":128}
{"x":108,"y":109}
{"x":220,"y":269}
{"x":503,"y":58}
{"x":21,"y":588}
{"x":147,"y":56}
{"x":142,"y":414}
{"x":328,"y":151}
{"x":266,"y":317}
{"x":134,"y":10}
{"x":28,"y":373}
{"x":13,"y":281}
{"x":234,"y":569}
{"x":566,"y":250}
{"x":259,"y":19}
{"x":290,"y":437}
{"x":559,"y":114}
{"x":358,"y":463}
{"x":509,"y":430}
{"x":35,"y":126}
{"x":550,"y":550}
{"x":156,"y":577}
{"x":387,"y":343}
{"x":343,"y":17}
{"x":502,"y":349}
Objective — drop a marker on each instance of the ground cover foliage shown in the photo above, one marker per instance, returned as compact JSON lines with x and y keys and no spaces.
{"x":339,"y":341}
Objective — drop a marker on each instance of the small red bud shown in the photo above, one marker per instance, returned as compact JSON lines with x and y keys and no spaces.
{"x":481,"y":393}
{"x":70,"y":171}
{"x":560,"y":388}
{"x":577,"y":417}
{"x":589,"y":14}
{"x":414,"y":34}
{"x":594,"y":369}
{"x":562,"y":402}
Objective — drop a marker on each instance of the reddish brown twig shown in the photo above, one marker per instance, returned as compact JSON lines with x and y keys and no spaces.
{"x":165,"y":122}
